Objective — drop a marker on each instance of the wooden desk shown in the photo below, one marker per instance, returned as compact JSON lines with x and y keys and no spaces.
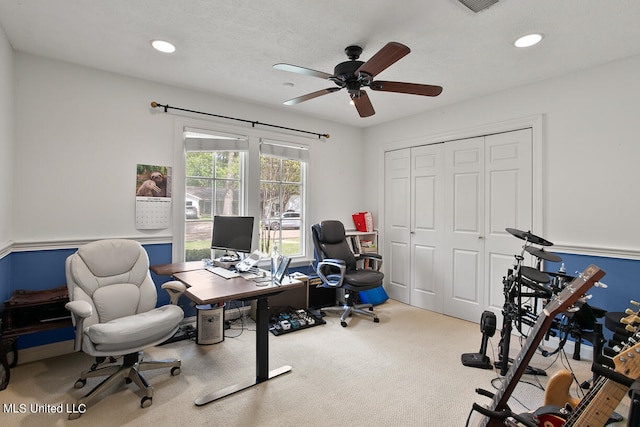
{"x":204,"y":287}
{"x":176,"y":267}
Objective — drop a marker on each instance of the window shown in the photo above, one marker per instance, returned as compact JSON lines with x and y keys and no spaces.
{"x":282,"y":179}
{"x":214,"y":185}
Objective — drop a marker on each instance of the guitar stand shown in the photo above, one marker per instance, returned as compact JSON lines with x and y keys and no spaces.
{"x":634,"y":407}
{"x":524,"y":419}
{"x":634,"y":387}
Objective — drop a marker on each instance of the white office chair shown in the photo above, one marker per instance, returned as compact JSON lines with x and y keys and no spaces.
{"x":112,"y":299}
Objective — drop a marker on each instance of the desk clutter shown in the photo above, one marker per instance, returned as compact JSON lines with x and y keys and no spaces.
{"x":294,"y":320}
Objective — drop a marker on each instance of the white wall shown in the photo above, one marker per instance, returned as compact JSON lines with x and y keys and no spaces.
{"x":591,"y":149}
{"x":6,"y":140}
{"x":80,"y":133}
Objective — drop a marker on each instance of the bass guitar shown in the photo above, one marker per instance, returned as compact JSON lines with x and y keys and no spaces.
{"x":604,"y":397}
{"x":597,"y":406}
{"x":498,"y":411}
{"x":557,"y":392}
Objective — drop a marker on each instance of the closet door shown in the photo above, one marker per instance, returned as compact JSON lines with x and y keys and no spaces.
{"x":464,"y":228}
{"x":427,"y":226}
{"x":509,"y":203}
{"x":397,"y":249}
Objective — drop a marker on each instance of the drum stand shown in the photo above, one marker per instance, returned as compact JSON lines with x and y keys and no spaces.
{"x":511,"y":313}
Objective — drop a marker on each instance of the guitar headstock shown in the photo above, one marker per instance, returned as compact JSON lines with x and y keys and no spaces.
{"x":627,"y":362}
{"x":632,"y":319}
{"x":573,"y":291}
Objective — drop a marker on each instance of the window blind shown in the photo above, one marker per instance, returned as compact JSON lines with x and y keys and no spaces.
{"x":284,"y":150}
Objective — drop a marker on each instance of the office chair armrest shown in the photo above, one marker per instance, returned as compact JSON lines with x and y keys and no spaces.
{"x":326,"y":271}
{"x":376,"y":258}
{"x":174,"y":288}
{"x":80,"y":310}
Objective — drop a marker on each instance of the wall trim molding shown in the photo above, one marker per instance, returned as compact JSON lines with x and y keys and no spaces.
{"x":5,"y":248}
{"x":596,"y":251}
{"x":27,"y":246}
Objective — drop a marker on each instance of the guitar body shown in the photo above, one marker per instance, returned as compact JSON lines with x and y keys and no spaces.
{"x":557,"y":393}
{"x":550,"y":420}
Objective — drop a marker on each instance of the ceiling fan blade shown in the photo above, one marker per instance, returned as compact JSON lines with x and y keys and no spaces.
{"x":301,"y":70}
{"x":411,"y":88}
{"x":363,"y":104}
{"x":311,"y":95}
{"x":389,"y":54}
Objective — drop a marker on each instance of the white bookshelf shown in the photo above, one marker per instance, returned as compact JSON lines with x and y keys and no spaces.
{"x":362,"y":241}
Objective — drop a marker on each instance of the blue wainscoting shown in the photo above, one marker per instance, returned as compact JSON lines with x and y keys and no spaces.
{"x":44,"y":269}
{"x":622,"y":279}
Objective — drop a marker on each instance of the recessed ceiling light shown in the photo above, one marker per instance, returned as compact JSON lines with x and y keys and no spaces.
{"x":163,"y":46}
{"x":528,"y":40}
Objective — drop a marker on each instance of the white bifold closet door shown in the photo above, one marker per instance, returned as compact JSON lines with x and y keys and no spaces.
{"x":446,"y":209}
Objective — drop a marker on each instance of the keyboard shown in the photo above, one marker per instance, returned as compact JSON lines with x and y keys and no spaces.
{"x":223,"y":272}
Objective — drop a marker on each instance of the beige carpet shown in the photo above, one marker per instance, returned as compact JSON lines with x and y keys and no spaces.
{"x":405,"y":370}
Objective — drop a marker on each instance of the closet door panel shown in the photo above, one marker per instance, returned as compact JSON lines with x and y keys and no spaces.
{"x":427,"y":226}
{"x":397,"y":225}
{"x":509,"y":195}
{"x":464,"y":213}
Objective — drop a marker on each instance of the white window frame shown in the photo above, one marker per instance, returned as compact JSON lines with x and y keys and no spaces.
{"x":286,"y":150}
{"x":251,"y":177}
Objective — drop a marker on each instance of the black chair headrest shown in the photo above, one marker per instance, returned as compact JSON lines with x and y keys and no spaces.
{"x":331,"y":231}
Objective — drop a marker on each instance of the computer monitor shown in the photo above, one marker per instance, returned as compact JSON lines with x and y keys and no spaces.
{"x":232,"y":234}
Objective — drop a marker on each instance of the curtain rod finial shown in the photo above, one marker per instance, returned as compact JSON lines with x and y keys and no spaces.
{"x":154,"y":104}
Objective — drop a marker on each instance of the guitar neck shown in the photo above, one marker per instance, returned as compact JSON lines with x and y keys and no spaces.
{"x":598,"y":406}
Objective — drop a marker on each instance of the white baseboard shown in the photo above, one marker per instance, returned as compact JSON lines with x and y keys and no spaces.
{"x":46,"y":351}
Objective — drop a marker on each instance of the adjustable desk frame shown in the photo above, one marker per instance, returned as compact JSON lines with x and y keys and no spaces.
{"x":205,"y":287}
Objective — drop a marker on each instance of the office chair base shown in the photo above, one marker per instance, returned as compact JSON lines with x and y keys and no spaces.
{"x":128,"y":371}
{"x":349,"y":310}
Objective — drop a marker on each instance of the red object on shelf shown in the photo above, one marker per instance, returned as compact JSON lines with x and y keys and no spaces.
{"x":363,"y":221}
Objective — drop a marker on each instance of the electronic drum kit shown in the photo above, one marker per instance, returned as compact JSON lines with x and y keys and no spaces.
{"x":543,"y":284}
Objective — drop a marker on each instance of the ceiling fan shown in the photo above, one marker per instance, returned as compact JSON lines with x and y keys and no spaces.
{"x":354,"y":75}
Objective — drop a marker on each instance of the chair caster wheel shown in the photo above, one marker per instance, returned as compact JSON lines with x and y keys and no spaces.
{"x":376,"y":320}
{"x":175,"y":371}
{"x":74,"y":416}
{"x":146,"y":402}
{"x":128,"y":380}
{"x":344,"y":324}
{"x":370,"y":308}
{"x":80,"y":383}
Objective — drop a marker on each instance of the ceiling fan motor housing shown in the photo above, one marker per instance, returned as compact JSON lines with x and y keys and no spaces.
{"x":345,"y":76}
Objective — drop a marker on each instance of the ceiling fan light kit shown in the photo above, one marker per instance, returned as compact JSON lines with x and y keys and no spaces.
{"x":353,"y":75}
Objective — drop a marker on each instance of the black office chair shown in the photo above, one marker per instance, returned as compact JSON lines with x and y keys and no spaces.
{"x":338,"y":267}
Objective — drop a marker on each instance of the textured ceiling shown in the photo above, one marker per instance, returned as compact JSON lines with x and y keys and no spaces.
{"x":228,"y":47}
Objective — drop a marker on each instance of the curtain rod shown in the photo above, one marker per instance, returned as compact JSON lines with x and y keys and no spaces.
{"x":253,"y":122}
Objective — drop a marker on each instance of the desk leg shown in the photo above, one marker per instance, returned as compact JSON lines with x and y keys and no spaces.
{"x":262,"y":358}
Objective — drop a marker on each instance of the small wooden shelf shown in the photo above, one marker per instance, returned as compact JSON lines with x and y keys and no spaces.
{"x":28,"y":311}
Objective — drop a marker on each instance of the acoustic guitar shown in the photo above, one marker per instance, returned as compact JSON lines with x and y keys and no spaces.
{"x":498,"y":411}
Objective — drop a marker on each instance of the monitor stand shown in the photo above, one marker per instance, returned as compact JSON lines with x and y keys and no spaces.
{"x":229,"y":265}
